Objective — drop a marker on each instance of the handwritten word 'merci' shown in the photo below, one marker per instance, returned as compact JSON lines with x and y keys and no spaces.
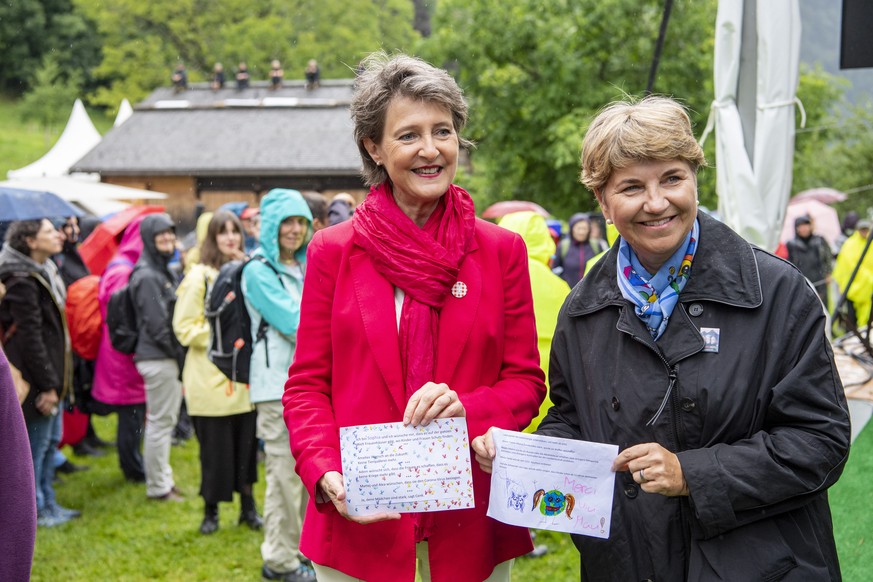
{"x":579,"y":488}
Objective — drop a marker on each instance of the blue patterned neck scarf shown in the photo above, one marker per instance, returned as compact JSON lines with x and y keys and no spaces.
{"x":655,"y":296}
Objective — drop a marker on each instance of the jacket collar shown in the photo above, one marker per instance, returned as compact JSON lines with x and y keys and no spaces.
{"x":725,"y":271}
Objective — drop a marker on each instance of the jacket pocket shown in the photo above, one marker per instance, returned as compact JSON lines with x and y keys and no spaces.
{"x":756,"y":551}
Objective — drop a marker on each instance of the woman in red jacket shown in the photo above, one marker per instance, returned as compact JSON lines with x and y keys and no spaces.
{"x":412,"y":310}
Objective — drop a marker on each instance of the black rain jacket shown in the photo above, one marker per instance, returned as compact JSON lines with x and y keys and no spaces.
{"x":154,"y":290}
{"x":760,"y":426}
{"x":34,"y":323}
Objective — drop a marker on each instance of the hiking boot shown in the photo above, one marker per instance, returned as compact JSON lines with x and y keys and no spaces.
{"x":45,"y":518}
{"x":251,"y":518}
{"x":209,"y":525}
{"x":301,"y":574}
{"x":60,"y":511}
{"x":171,"y":495}
{"x":69,"y":467}
{"x":83,"y":449}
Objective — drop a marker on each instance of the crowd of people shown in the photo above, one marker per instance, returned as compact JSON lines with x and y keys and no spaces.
{"x":650,"y":325}
{"x":242,"y":76}
{"x":146,"y":389}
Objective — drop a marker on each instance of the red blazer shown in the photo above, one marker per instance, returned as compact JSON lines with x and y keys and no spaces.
{"x":347,"y":372}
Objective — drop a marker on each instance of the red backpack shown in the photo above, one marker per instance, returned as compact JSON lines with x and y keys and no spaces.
{"x":83,"y":316}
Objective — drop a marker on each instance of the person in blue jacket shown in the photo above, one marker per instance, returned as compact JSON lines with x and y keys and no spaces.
{"x":272,"y":292}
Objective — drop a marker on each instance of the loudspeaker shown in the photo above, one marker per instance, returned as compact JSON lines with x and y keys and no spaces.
{"x":856,"y":42}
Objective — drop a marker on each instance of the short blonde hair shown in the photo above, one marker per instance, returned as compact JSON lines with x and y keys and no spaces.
{"x":385,"y":77}
{"x":626,"y":132}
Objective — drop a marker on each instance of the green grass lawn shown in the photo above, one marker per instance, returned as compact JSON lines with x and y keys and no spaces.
{"x":122,"y":536}
{"x":851,"y":501}
{"x":24,"y":142}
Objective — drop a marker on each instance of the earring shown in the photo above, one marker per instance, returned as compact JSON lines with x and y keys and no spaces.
{"x":608,"y":221}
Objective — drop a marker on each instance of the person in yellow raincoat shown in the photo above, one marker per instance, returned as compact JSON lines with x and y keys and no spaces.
{"x":192,"y":257}
{"x":222,"y":413}
{"x":549,"y":290}
{"x":861,"y":291}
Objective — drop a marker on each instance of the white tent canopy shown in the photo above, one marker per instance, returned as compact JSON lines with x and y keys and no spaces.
{"x":78,"y":138}
{"x":124,"y":112}
{"x":757,"y":52}
{"x":95,"y":197}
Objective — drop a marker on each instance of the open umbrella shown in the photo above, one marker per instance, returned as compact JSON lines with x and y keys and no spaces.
{"x":824,"y":195}
{"x":20,"y":204}
{"x":101,"y":244}
{"x":499,"y":209}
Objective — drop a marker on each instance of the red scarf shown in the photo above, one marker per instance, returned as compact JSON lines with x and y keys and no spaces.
{"x":422,"y":262}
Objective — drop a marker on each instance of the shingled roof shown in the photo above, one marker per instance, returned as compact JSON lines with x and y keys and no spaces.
{"x":290,"y":131}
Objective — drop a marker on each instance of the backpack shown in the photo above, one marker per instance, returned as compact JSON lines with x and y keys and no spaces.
{"x":121,"y":320}
{"x":231,"y":342}
{"x":83,"y":316}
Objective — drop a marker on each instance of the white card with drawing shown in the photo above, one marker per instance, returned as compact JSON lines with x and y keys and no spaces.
{"x":551,"y":483}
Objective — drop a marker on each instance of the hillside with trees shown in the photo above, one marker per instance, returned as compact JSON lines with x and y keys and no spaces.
{"x":534,"y":72}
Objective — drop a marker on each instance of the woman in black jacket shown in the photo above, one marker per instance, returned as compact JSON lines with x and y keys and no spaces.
{"x":36,"y":341}
{"x":705,"y":359}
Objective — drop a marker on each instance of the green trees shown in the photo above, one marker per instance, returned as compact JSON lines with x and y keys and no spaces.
{"x":51,"y":95}
{"x":31,"y":29}
{"x":835,"y":149}
{"x":535,"y":72}
{"x":144,"y":40}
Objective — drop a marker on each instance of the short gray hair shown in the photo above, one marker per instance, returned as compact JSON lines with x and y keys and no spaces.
{"x":385,"y":77}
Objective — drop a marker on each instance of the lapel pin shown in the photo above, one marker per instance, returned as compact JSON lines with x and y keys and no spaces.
{"x":459,"y":289}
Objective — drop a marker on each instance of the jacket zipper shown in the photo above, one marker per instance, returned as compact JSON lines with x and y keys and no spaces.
{"x":673,"y":378}
{"x":673,"y":395}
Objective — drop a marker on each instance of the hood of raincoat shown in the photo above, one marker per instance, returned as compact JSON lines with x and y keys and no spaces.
{"x":130,"y":247}
{"x":611,"y":234}
{"x":151,"y":225}
{"x":276,"y":206}
{"x":574,"y":219}
{"x":202,"y":228}
{"x":533,"y":229}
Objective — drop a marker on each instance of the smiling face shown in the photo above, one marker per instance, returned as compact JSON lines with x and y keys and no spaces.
{"x":165,"y":242}
{"x":419,"y":149}
{"x":228,"y":240}
{"x":653,"y":205}
{"x":553,"y":503}
{"x":292,"y":232}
